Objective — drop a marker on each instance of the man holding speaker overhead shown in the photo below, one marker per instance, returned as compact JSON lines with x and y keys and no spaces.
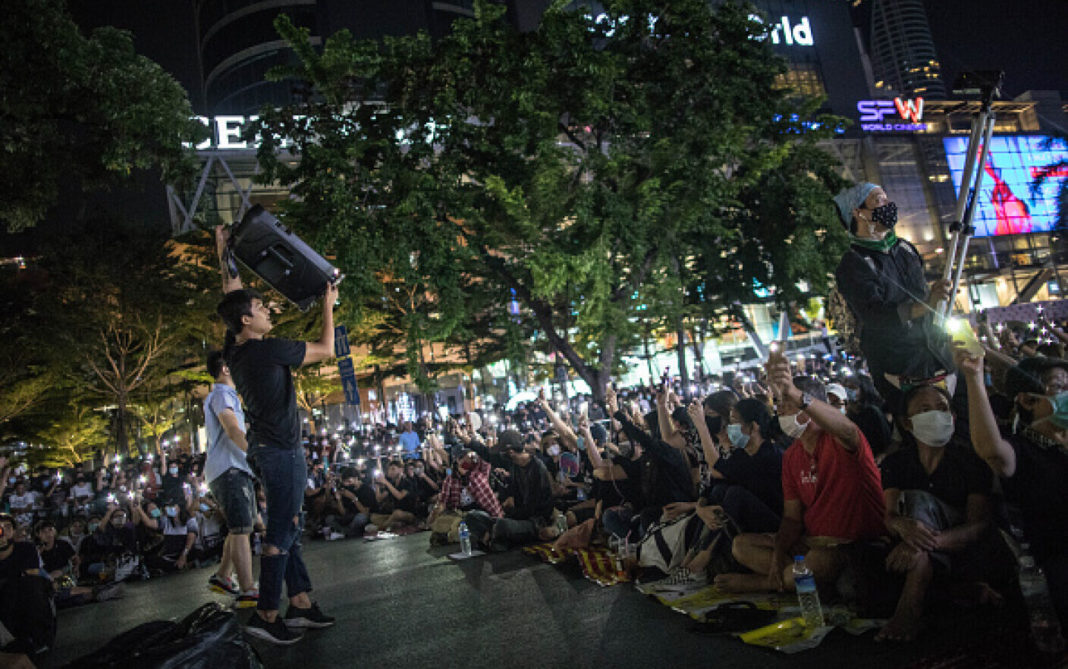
{"x":882,"y":280}
{"x":261,"y":370}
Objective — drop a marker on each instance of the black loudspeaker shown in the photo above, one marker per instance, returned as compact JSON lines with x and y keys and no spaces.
{"x":280,"y":258}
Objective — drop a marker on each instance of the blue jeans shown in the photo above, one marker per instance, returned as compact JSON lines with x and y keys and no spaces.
{"x":283,"y":473}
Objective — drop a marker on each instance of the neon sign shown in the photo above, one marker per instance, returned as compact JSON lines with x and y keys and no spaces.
{"x":906,"y":115}
{"x":226,"y":134}
{"x":798,"y":34}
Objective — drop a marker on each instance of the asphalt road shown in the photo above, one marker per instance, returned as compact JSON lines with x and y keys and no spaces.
{"x":400,"y":603}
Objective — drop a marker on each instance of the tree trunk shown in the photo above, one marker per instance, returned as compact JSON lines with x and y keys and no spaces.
{"x":648,"y":356}
{"x":680,"y":350}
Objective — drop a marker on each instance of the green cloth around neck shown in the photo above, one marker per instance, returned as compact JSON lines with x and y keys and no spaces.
{"x":881,"y":245}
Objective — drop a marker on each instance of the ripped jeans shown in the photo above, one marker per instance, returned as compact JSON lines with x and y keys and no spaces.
{"x":283,"y":473}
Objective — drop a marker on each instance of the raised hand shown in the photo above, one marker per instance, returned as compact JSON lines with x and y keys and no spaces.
{"x":610,"y":400}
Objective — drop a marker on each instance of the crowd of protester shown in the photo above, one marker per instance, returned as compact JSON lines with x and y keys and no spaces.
{"x":908,"y":483}
{"x":928,"y":476}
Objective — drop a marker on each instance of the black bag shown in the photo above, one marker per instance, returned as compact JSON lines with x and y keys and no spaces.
{"x":28,"y":613}
{"x":280,"y":258}
{"x":208,"y":638}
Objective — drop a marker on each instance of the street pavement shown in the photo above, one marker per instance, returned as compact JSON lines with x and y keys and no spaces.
{"x":401,"y":603}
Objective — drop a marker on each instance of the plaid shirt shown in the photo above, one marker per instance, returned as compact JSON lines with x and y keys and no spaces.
{"x":479,"y":487}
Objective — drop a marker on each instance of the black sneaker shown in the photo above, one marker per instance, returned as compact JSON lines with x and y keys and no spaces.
{"x":276,"y":632}
{"x":311,"y":618}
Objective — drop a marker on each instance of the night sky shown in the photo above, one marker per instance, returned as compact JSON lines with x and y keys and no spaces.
{"x":1025,"y":38}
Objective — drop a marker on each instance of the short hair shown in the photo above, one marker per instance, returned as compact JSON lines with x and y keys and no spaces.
{"x":754,"y":411}
{"x":235,"y":305}
{"x":216,"y":362}
{"x":812,"y":386}
{"x":43,"y":524}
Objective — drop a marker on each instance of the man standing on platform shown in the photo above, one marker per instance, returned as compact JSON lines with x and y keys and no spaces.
{"x":261,"y":370}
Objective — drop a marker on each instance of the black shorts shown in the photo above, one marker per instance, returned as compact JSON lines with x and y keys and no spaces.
{"x":235,"y":492}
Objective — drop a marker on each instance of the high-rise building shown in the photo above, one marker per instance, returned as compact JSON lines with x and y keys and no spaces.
{"x":238,"y":43}
{"x":903,"y":56}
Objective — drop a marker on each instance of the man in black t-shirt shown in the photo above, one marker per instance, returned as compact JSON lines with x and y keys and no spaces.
{"x":262,"y":371}
{"x":26,"y":609}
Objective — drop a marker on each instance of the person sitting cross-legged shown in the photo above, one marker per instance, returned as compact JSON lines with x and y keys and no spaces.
{"x":528,"y":498}
{"x":938,"y":503}
{"x":466,"y":488}
{"x":831,"y":490}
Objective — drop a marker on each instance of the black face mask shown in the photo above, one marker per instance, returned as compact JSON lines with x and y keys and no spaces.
{"x":885,"y":215}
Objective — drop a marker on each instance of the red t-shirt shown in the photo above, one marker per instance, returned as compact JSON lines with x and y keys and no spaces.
{"x":841,"y":492}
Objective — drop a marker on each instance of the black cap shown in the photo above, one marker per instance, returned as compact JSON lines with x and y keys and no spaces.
{"x":511,"y":440}
{"x":1026,"y":376}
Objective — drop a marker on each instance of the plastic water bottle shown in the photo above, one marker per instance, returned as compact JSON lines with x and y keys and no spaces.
{"x":561,"y":523}
{"x":807,"y":595}
{"x":1045,"y":626}
{"x":465,"y":539}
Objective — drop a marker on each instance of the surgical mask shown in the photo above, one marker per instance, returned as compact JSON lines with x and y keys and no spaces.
{"x":173,"y":471}
{"x":934,"y":428}
{"x":155,"y":513}
{"x":790,"y":427}
{"x":885,"y":215}
{"x":93,"y":527}
{"x":172,"y":512}
{"x":554,"y":450}
{"x":734,"y":433}
{"x":11,"y":480}
{"x":45,"y":483}
{"x":581,"y":443}
{"x":205,"y":508}
{"x":1059,"y":417}
{"x":418,"y":471}
{"x":851,"y":395}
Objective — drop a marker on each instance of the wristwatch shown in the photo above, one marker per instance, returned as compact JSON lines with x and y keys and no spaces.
{"x":806,"y":399}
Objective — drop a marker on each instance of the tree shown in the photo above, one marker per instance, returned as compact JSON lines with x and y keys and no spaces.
{"x":127,"y":309}
{"x":79,"y":110}
{"x":72,"y":436}
{"x":572,"y":165}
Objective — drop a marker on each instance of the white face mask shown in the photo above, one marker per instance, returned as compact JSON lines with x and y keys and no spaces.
{"x":790,"y":427}
{"x":933,"y":428}
{"x":554,"y":450}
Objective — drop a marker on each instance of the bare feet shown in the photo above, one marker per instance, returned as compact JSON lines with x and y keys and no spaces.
{"x":741,"y":582}
{"x":902,"y":627}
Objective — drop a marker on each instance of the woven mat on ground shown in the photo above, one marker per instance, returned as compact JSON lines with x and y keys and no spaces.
{"x":598,"y":564}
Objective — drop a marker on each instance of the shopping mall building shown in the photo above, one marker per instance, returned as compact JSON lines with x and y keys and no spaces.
{"x":875,"y":65}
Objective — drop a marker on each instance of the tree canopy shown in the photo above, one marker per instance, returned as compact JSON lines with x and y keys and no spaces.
{"x":79,"y":110}
{"x":580,"y":167}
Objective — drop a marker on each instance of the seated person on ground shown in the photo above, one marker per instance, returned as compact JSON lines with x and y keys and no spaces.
{"x":528,"y":497}
{"x":746,"y":484}
{"x":396,"y":497}
{"x":831,"y":490}
{"x":661,"y":474}
{"x":356,"y":499}
{"x":1032,"y":463}
{"x":938,"y":504}
{"x":59,"y":562}
{"x":179,"y":531}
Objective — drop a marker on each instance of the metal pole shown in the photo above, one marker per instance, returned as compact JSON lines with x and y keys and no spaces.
{"x":966,"y":225}
{"x":965,"y":188}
